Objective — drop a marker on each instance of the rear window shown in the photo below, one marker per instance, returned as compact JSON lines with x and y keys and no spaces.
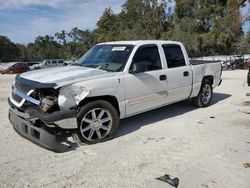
{"x":174,"y":56}
{"x":17,"y":65}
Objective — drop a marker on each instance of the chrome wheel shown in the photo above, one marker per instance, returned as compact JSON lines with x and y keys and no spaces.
{"x":96,"y":124}
{"x":206,"y":94}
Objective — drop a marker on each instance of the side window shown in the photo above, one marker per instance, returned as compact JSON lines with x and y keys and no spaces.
{"x":47,"y":62}
{"x":148,"y":55}
{"x":54,"y":62}
{"x":174,"y":56}
{"x":60,"y":61}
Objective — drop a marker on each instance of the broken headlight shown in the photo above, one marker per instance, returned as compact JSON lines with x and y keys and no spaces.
{"x":48,"y":99}
{"x":48,"y":103}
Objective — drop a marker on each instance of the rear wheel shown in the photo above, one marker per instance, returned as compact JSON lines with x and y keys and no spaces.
{"x":97,"y":122}
{"x":11,"y":71}
{"x":205,"y":95}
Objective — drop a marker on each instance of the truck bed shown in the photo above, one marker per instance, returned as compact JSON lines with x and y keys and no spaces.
{"x":198,"y":62}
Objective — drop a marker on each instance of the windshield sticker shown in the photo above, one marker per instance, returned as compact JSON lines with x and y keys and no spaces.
{"x":119,"y":48}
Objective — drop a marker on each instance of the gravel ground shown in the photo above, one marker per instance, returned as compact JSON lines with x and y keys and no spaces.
{"x":202,"y":147}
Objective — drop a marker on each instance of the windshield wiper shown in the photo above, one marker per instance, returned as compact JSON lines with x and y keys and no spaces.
{"x":95,"y":66}
{"x":76,"y":64}
{"x":82,"y":65}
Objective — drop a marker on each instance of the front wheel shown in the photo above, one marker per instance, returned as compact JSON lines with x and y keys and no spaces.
{"x":205,"y":95}
{"x":97,"y":122}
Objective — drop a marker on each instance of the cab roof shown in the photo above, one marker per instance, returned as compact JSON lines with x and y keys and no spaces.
{"x":140,"y":42}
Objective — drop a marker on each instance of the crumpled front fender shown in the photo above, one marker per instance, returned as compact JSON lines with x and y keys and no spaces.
{"x":70,"y":96}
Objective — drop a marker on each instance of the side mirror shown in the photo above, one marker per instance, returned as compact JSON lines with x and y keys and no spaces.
{"x":138,"y":67}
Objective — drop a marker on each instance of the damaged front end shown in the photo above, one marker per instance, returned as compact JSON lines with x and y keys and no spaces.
{"x":43,"y":113}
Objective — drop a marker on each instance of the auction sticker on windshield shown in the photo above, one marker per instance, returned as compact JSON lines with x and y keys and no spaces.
{"x":119,"y":48}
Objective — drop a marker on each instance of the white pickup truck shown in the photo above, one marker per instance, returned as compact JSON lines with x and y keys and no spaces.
{"x":112,"y":81}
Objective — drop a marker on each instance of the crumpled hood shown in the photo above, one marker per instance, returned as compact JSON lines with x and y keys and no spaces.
{"x":62,"y":76}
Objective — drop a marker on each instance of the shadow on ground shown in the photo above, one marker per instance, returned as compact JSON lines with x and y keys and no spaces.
{"x":134,"y":123}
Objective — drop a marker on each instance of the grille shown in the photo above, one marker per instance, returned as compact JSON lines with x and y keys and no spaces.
{"x":16,"y":97}
{"x":22,"y":87}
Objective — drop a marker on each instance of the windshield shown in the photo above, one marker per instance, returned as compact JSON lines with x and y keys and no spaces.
{"x":6,"y":65}
{"x":106,"y":57}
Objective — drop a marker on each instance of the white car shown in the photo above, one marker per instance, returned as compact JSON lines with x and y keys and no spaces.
{"x":112,"y":81}
{"x":48,"y":63}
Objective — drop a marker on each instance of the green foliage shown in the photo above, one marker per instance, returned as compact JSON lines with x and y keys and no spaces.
{"x":243,"y":45}
{"x":8,"y":50}
{"x":205,"y":27}
{"x":208,"y":27}
{"x":23,"y":53}
{"x":139,"y":19}
{"x":108,"y":26}
{"x":63,"y":45}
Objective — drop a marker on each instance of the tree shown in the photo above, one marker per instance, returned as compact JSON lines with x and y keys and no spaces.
{"x":139,"y":19}
{"x":207,"y":28}
{"x":108,"y":26}
{"x":44,"y":48}
{"x":23,"y":53}
{"x":185,"y":27}
{"x":243,"y":46}
{"x":8,"y":50}
{"x":80,"y":41}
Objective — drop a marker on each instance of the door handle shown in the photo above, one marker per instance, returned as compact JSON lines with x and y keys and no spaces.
{"x":163,"y":77}
{"x":186,"y":73}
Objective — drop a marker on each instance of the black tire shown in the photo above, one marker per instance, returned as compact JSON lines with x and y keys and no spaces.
{"x":201,"y":101}
{"x":97,"y":125}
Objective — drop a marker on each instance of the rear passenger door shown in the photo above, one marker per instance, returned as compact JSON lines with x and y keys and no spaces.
{"x":54,"y":63}
{"x":60,"y":63}
{"x":179,"y":74}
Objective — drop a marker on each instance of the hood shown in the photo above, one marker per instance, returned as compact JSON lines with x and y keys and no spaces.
{"x":62,"y":76}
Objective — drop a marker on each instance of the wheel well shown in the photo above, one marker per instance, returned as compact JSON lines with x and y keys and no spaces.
{"x":111,"y":99}
{"x":209,"y":78}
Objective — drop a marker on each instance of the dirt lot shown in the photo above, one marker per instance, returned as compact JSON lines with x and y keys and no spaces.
{"x":202,"y":147}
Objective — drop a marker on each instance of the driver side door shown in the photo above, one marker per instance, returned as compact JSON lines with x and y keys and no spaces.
{"x":148,"y":89}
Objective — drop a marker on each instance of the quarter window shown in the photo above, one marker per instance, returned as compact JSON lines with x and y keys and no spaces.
{"x":148,"y":55}
{"x":174,"y":56}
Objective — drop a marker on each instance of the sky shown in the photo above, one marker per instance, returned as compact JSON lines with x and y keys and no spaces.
{"x":23,"y":20}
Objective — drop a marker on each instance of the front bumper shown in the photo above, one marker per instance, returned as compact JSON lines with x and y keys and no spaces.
{"x":63,"y":119}
{"x":38,"y":134}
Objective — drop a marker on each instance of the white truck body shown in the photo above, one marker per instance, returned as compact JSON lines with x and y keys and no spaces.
{"x":134,"y":92}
